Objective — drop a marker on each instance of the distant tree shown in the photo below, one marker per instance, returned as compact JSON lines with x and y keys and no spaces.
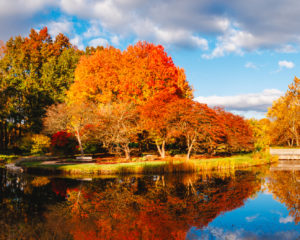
{"x":285,"y":117}
{"x":260,"y":130}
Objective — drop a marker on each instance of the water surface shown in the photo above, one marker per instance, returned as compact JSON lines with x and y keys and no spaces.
{"x":245,"y":204}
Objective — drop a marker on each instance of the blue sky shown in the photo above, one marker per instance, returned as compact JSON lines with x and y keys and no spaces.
{"x":237,"y":54}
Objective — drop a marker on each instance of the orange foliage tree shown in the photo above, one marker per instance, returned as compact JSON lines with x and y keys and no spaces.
{"x":135,"y":75}
{"x":155,"y":116}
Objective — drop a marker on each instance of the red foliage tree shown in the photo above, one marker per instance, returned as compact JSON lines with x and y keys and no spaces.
{"x":197,"y":123}
{"x":239,"y":137}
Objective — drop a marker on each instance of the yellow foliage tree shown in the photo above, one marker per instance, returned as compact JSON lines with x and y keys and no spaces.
{"x":285,"y":117}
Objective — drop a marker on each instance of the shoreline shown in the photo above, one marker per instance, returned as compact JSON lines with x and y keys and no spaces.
{"x":169,"y":165}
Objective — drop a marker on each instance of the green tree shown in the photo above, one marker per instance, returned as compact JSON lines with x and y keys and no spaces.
{"x":35,"y":72}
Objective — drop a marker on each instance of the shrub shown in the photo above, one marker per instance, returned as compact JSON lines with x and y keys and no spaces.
{"x":26,"y":142}
{"x":34,"y":143}
{"x":92,"y":148}
{"x":41,"y":144}
{"x":64,"y":143}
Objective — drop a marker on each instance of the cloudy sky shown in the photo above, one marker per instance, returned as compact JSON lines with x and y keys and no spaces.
{"x":238,"y":54}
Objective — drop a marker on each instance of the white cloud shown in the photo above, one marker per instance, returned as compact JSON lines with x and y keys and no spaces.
{"x":251,"y":65}
{"x":64,"y":26}
{"x":115,"y":40}
{"x":288,"y":219}
{"x":238,"y":26}
{"x":286,"y":64}
{"x":15,"y":8}
{"x":251,"y":218}
{"x":77,"y":41}
{"x":98,"y":42}
{"x":234,"y":41}
{"x":257,"y":102}
{"x":287,"y":49}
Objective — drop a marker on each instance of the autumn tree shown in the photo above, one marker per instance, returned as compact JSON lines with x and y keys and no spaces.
{"x":116,"y":127}
{"x":75,"y":118}
{"x":238,"y":134}
{"x":134,"y":75}
{"x":285,"y":117}
{"x":197,"y":123}
{"x":35,"y":72}
{"x":155,"y":119}
{"x":260,"y":130}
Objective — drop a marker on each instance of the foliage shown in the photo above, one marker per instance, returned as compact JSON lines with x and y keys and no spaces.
{"x":238,"y":134}
{"x":35,"y":73}
{"x":40,"y":144}
{"x":197,"y":123}
{"x":260,"y":130}
{"x":63,"y":142}
{"x":117,"y":127}
{"x":25,"y":144}
{"x":285,"y":117}
{"x":75,"y":118}
{"x":135,"y":75}
{"x":155,"y":118}
{"x":34,"y":143}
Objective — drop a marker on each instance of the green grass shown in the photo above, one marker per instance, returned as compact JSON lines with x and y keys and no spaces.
{"x":7,"y":158}
{"x":169,"y":165}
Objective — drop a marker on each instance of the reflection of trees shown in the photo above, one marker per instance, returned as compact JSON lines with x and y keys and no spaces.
{"x":23,"y":200}
{"x":153,"y":208}
{"x":148,"y":207}
{"x":285,"y":185}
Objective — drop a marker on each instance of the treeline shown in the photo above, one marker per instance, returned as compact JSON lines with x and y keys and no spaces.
{"x":132,"y":99}
{"x":282,"y":127}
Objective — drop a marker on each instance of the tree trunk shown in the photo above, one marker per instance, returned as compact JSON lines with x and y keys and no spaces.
{"x":161,"y":149}
{"x":79,"y":142}
{"x":126,"y":151}
{"x":189,"y":152}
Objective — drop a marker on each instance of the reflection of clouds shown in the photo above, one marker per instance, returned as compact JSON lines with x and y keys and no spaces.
{"x":239,"y":234}
{"x":287,"y":219}
{"x":251,"y":218}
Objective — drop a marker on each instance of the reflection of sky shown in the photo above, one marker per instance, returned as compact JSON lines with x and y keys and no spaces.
{"x":260,"y":218}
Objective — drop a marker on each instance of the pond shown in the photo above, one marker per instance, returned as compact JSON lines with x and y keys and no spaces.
{"x":245,"y":204}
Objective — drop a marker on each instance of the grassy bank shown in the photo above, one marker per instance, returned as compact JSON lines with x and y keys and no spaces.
{"x":4,"y":159}
{"x":169,"y":165}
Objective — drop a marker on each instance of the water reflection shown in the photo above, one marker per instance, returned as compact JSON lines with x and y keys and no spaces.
{"x":285,"y":186}
{"x":148,"y":207}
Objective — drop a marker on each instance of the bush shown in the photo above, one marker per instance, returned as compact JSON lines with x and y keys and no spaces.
{"x":41,"y":144}
{"x":25,"y":144}
{"x":34,"y":144}
{"x":92,"y":148}
{"x":64,"y":143}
